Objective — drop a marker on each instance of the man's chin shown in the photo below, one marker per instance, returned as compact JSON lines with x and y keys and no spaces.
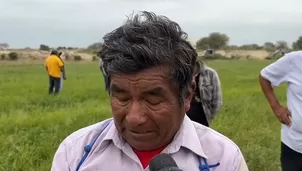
{"x":143,"y":145}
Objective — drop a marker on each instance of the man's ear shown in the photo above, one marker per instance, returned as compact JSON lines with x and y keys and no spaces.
{"x":190,"y":95}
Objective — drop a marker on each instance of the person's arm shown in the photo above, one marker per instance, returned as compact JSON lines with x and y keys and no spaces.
{"x":217,"y":95}
{"x":268,"y":92}
{"x":274,"y":75}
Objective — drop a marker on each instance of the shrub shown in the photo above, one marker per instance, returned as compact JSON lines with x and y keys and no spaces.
{"x":94,"y":58}
{"x":274,"y":57}
{"x":13,"y":56}
{"x":33,"y":57}
{"x":2,"y":56}
{"x":214,"y":56}
{"x":235,"y":57}
{"x":77,"y":58}
{"x":44,"y":47}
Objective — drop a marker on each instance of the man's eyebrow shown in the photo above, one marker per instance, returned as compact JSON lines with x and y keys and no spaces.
{"x":154,"y":91}
{"x":116,"y":88}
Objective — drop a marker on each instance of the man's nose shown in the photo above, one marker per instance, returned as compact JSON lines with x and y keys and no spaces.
{"x":136,"y":115}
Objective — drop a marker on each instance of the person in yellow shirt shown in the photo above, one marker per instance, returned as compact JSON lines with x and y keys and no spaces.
{"x":54,"y":67}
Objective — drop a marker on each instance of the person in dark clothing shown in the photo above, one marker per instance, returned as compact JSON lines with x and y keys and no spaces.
{"x":207,"y":100}
{"x":196,"y":112}
{"x":63,"y":73}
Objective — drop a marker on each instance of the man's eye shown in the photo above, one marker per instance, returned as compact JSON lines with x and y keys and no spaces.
{"x":153,"y":101}
{"x":121,"y":98}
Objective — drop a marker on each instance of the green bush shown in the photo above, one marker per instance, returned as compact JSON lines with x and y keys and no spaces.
{"x":77,"y":58}
{"x":273,"y":57}
{"x":2,"y":56}
{"x":13,"y":56}
{"x":214,"y":56}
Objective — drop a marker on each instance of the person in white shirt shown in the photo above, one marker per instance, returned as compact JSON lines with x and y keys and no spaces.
{"x":287,"y":69}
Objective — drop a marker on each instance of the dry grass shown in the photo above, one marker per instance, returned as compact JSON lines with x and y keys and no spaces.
{"x":34,"y":54}
{"x":250,"y":54}
{"x":253,"y":54}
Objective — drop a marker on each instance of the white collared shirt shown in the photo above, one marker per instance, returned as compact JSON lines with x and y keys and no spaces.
{"x":110,"y":152}
{"x":288,"y":69}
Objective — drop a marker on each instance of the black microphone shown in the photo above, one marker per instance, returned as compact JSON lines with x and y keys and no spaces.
{"x":163,"y":162}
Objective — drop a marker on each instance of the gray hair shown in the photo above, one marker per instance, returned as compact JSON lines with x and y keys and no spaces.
{"x":141,"y":44}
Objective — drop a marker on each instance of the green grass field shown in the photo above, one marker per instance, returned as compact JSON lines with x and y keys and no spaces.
{"x":32,"y":123}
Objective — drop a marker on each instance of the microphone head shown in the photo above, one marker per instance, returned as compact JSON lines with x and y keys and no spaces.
{"x":163,"y":162}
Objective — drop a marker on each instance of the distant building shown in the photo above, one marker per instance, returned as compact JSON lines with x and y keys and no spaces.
{"x":209,"y":52}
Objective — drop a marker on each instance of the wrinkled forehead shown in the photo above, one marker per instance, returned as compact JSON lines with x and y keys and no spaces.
{"x":156,"y":77}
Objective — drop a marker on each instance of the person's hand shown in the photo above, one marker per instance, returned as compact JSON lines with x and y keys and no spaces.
{"x":64,"y":77}
{"x":283,"y":114}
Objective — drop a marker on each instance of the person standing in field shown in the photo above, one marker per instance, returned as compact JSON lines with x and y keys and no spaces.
{"x":207,"y":99}
{"x":287,"y":69}
{"x":54,"y":66}
{"x":63,"y":73}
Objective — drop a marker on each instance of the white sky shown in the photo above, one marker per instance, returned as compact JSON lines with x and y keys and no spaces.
{"x":29,"y":23}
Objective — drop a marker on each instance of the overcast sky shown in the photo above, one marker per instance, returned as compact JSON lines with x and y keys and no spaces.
{"x":29,"y":23}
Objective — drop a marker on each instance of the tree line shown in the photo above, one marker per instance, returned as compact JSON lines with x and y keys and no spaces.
{"x":215,"y":41}
{"x":218,"y":41}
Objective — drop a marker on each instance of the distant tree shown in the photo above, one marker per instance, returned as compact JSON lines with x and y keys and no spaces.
{"x":203,"y":43}
{"x":213,"y":41}
{"x":250,"y":47}
{"x":44,"y":47}
{"x":297,"y":45}
{"x":95,"y":46}
{"x":4,"y":45}
{"x":61,"y":48}
{"x":231,"y":47}
{"x":281,"y":45}
{"x":269,"y":46}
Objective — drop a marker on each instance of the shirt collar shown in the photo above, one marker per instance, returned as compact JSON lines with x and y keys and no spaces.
{"x":186,"y":137}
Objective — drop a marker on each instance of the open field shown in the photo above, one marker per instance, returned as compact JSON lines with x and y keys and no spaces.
{"x":35,"y":54}
{"x":32,"y":124}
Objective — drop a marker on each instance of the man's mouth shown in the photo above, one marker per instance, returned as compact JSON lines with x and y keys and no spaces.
{"x":140,"y":132}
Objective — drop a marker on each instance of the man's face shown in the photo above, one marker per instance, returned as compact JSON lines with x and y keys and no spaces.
{"x":146,"y":108}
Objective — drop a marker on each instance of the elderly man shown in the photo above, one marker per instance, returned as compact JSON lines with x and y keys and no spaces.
{"x":207,"y":99}
{"x":150,"y":68}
